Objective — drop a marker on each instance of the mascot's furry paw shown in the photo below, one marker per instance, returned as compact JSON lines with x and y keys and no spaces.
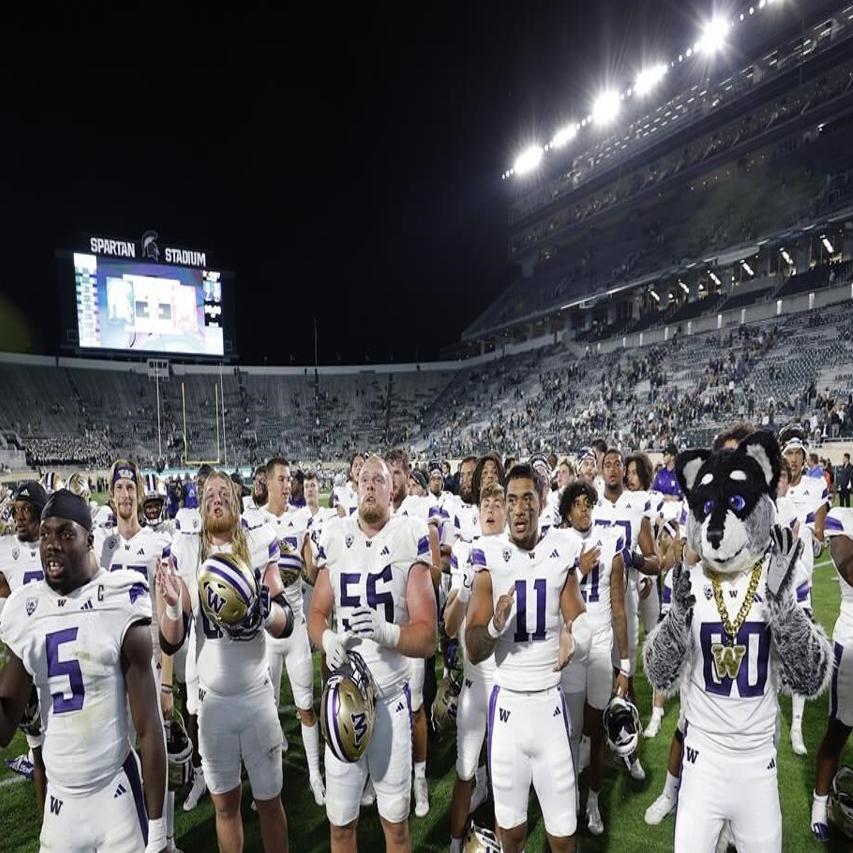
{"x":667,"y":649}
{"x":785,"y":550}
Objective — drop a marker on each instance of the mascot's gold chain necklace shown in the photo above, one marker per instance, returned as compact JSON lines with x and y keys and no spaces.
{"x":728,"y":658}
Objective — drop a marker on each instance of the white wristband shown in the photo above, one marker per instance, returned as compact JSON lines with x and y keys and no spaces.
{"x":156,"y":835}
{"x":463,"y":593}
{"x":625,"y":666}
{"x":493,"y":632}
{"x":392,"y":635}
{"x":175,"y":611}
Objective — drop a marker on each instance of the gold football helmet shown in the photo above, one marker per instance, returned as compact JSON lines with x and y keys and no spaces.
{"x":227,"y":590}
{"x":480,"y":840}
{"x":348,"y":709}
{"x":839,"y":806}
{"x":52,"y":482}
{"x":79,"y":484}
{"x":446,"y":702}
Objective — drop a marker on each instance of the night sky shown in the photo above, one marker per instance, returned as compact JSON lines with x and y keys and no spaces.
{"x":345,"y":165}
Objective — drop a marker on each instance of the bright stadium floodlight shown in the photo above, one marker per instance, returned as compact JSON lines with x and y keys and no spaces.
{"x":747,"y":268}
{"x":528,"y":160}
{"x":684,"y":287}
{"x":827,"y":245}
{"x":713,"y":37}
{"x":654,"y":295}
{"x":648,"y":78}
{"x":715,"y":278}
{"x":786,"y":257}
{"x":564,"y":135}
{"x":606,"y":107}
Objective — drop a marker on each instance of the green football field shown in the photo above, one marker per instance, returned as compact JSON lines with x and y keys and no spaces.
{"x":623,"y":801}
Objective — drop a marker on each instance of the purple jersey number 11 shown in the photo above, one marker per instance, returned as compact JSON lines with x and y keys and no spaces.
{"x":71,"y":668}
{"x":521,"y":635}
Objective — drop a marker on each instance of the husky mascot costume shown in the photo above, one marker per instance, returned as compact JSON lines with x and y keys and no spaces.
{"x":733,"y":637}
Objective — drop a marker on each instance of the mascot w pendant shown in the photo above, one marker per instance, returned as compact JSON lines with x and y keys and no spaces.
{"x":730,"y":664}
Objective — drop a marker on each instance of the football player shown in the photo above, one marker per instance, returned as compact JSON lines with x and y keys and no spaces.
{"x":588,"y":684}
{"x":810,"y":497}
{"x":154,"y":505}
{"x":132,"y":547}
{"x":839,"y":531}
{"x":345,"y":497}
{"x":237,"y":715}
{"x":465,"y":516}
{"x":417,"y":506}
{"x":470,"y":788}
{"x":628,"y":512}
{"x":82,"y":637}
{"x":20,"y":564}
{"x":374,"y":579}
{"x":290,"y":526}
{"x":189,"y":517}
{"x":526,"y":609}
{"x":259,"y":490}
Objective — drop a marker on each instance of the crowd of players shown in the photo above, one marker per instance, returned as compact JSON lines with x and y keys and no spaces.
{"x":529,"y":581}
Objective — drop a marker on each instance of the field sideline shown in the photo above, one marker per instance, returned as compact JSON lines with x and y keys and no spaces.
{"x":623,"y":801}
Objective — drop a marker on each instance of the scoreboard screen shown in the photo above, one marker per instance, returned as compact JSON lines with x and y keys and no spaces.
{"x":137,"y":306}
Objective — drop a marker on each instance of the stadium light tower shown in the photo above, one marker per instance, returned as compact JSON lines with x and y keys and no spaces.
{"x":649,"y":78}
{"x":606,"y":107}
{"x":713,"y":38}
{"x":564,"y":135}
{"x":528,"y":160}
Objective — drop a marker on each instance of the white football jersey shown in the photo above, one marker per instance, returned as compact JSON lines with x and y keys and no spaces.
{"x":526,"y":653}
{"x":625,"y":514}
{"x":71,"y":646}
{"x":224,"y":666}
{"x":466,"y":522}
{"x":20,"y":562}
{"x":188,"y":519}
{"x":462,"y":574}
{"x":345,"y":496}
{"x":808,"y":496}
{"x":595,"y":586}
{"x":141,"y":553}
{"x":290,"y":529}
{"x":737,"y":712}
{"x":374,"y":572}
{"x":839,"y":522}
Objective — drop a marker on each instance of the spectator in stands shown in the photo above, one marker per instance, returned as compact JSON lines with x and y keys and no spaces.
{"x":665,"y":480}
{"x":297,"y":488}
{"x":815,"y":468}
{"x":844,"y":481}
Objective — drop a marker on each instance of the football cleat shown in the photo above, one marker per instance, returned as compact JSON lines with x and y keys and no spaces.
{"x":421,"y":797}
{"x":318,"y":789}
{"x":197,"y":791}
{"x":622,"y":726}
{"x":594,"y":823}
{"x":22,"y":766}
{"x":348,"y":709}
{"x":797,"y":744}
{"x":653,"y":728}
{"x":659,"y":809}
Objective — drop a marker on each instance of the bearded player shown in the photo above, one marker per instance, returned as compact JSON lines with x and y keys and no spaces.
{"x":237,"y":715}
{"x":527,"y":610}
{"x":374,"y":581}
{"x":82,"y":637}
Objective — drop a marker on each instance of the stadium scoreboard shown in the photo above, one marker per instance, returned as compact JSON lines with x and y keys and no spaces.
{"x":138,"y":299}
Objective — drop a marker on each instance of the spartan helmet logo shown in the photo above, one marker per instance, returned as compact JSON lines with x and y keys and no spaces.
{"x":150,"y":249}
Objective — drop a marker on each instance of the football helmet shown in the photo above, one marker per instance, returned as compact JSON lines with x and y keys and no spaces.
{"x":348,"y":709}
{"x":52,"y":482}
{"x":446,"y":702}
{"x":179,"y":752}
{"x":228,"y":590}
{"x":79,"y":484}
{"x":622,"y":726}
{"x":480,"y":840}
{"x":839,"y":805}
{"x":793,"y":437}
{"x":154,"y":500}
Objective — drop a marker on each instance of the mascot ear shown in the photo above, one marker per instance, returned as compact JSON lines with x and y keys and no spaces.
{"x":687,"y":465}
{"x":762,"y":447}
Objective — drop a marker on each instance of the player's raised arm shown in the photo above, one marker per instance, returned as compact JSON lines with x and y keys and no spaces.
{"x":136,"y":654}
{"x":174,"y":607}
{"x":278,"y":618}
{"x":646,"y":559}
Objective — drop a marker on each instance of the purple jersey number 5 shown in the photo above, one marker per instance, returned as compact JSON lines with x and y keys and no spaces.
{"x":70,"y":668}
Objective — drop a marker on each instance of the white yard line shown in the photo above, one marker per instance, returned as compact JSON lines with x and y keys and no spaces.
{"x":12,"y":780}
